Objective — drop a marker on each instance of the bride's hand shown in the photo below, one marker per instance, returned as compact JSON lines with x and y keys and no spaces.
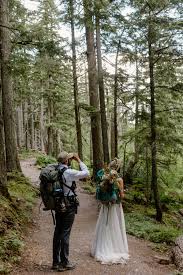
{"x":121,"y":188}
{"x":122,"y":195}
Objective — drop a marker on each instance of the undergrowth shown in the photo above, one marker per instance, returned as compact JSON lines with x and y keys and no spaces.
{"x":142,"y":226}
{"x":25,"y":154}
{"x":88,"y":187}
{"x":140,"y":221}
{"x":43,"y":160}
{"x":14,"y":217}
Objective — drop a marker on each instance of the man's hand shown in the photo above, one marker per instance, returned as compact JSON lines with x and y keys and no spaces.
{"x":76,"y":158}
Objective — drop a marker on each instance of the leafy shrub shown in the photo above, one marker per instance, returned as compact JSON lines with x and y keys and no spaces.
{"x":20,"y":187}
{"x":138,"y":197}
{"x":14,"y":244}
{"x":163,"y":234}
{"x":31,"y":153}
{"x":89,"y":188}
{"x":145,"y":227}
{"x":10,"y":246}
{"x":44,"y":160}
{"x":4,"y":269}
{"x":173,"y":197}
{"x":14,"y":216}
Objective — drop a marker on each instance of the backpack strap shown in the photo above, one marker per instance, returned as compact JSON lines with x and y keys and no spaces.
{"x":71,"y":189}
{"x":61,"y":172}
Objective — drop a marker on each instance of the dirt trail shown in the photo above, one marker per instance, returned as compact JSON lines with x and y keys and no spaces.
{"x":37,"y":254}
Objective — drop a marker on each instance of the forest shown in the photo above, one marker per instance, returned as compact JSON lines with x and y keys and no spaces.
{"x":102,"y":78}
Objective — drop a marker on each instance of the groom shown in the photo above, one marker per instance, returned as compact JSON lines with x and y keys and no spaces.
{"x":64,"y":220}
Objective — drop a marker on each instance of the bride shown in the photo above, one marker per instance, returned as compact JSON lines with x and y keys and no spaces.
{"x":110,"y":242}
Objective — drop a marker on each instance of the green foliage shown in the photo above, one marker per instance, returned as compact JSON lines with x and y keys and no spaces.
{"x":142,"y":226}
{"x":160,"y":247}
{"x":137,"y":195}
{"x":25,"y":154}
{"x":4,"y":269}
{"x":172,"y":198}
{"x":89,"y":188}
{"x":14,"y":216}
{"x":44,"y":160}
{"x":20,"y":189}
{"x":11,"y":247}
{"x":74,"y":165}
{"x":12,"y":244}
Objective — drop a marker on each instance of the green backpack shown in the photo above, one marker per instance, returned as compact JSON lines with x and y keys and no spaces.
{"x":106,"y":191}
{"x":51,"y":187}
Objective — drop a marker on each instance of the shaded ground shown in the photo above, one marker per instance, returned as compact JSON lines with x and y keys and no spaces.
{"x":37,"y":254}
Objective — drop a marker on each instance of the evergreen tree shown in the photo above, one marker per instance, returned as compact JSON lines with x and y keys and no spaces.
{"x":93,"y":92}
{"x":75,"y":81}
{"x":12,"y":162}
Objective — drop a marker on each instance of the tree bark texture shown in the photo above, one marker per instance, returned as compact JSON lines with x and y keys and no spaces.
{"x":42,"y":127}
{"x":3,"y":175}
{"x":112,"y":140}
{"x":18,"y":127}
{"x":93,"y":92}
{"x":154,"y":180}
{"x":102,"y":93}
{"x":12,"y":162}
{"x":50,"y":120}
{"x":136,"y":109}
{"x":114,"y":128}
{"x":75,"y":83}
{"x":26,"y":130}
{"x":30,"y":124}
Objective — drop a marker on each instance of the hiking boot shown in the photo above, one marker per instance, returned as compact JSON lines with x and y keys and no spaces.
{"x":61,"y":268}
{"x":69,"y":266}
{"x":55,"y":266}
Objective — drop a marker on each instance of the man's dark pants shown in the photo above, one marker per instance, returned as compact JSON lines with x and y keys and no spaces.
{"x":64,"y":222}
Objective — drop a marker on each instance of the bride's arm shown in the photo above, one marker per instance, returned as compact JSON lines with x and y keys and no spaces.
{"x":121,"y":187}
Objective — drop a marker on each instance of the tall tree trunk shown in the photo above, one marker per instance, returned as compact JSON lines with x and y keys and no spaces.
{"x":36,"y":137}
{"x":112,"y":140}
{"x":18,"y":127}
{"x":93,"y":92}
{"x":136,"y":108}
{"x":76,"y":101}
{"x":26,"y":128}
{"x":153,"y":122}
{"x":101,"y":92}
{"x":114,"y":125}
{"x":30,"y":124}
{"x":12,"y":162}
{"x":148,"y":189}
{"x":58,"y":144}
{"x":42,"y":134}
{"x":50,"y":118}
{"x":21,"y":126}
{"x":3,"y":174}
{"x":50,"y":130}
{"x":59,"y":147}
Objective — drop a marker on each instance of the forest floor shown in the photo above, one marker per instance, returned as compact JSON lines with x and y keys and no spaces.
{"x":37,"y":255}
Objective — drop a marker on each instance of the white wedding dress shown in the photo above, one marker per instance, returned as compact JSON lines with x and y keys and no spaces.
{"x":110,"y":242}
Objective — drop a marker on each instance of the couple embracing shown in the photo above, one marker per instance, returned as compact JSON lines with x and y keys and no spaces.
{"x":110,"y":241}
